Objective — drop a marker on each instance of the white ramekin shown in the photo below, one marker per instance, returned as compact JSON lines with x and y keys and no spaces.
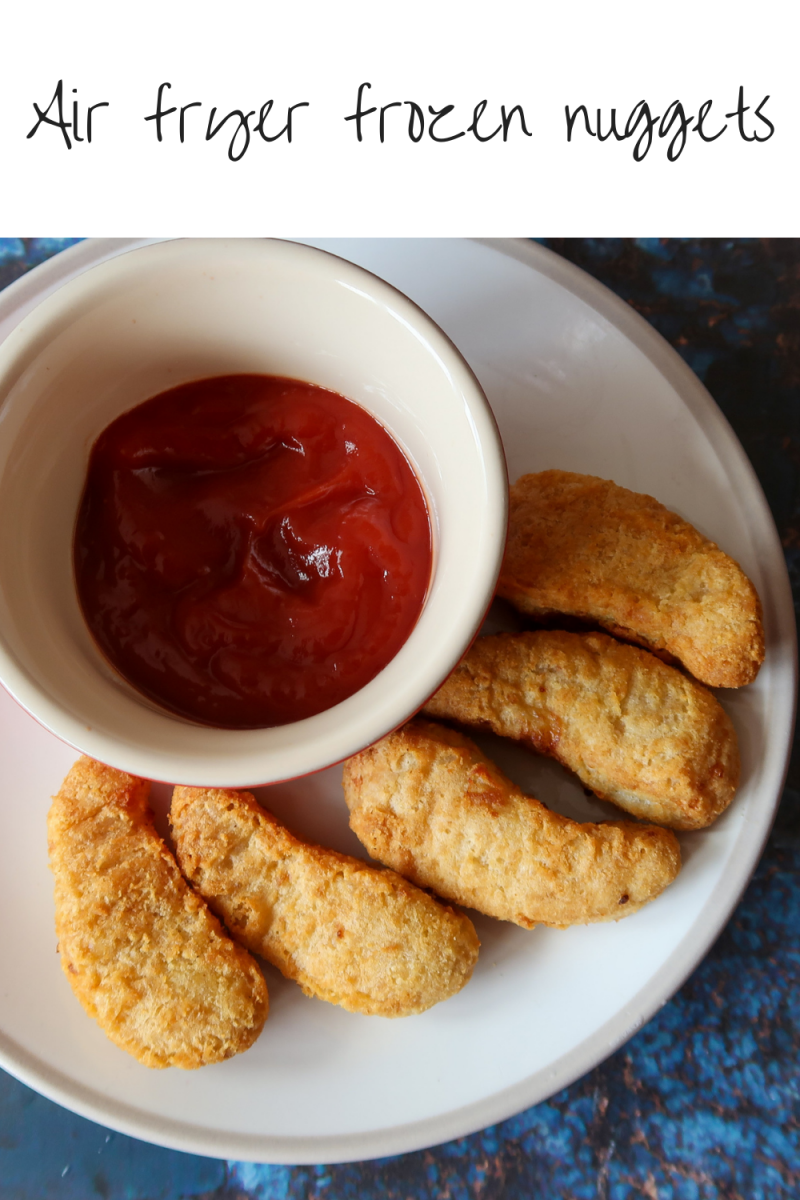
{"x":164,"y":314}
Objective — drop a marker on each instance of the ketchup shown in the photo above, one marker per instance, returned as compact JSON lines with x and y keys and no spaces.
{"x":250,"y":550}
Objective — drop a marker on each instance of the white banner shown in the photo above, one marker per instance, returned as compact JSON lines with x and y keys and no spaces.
{"x":425,"y":117}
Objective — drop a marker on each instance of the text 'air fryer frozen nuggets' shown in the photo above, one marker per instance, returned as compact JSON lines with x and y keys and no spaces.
{"x":585,"y":547}
{"x":427,"y":803}
{"x":142,"y":952}
{"x":636,"y":731}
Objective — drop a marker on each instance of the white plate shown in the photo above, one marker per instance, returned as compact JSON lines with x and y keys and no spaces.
{"x":577,"y":381}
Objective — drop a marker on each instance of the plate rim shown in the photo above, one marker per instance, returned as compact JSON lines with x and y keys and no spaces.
{"x":662,"y":985}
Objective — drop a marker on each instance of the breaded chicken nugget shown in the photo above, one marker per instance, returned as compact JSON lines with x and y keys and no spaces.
{"x":346,"y":932}
{"x":425,"y":801}
{"x":143,"y":954}
{"x":586,"y":547}
{"x":635,"y":731}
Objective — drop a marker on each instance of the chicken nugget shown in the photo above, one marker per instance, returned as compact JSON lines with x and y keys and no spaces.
{"x":346,"y":932}
{"x":588,"y":548}
{"x":142,"y":952}
{"x":425,"y":801}
{"x":635,"y":731}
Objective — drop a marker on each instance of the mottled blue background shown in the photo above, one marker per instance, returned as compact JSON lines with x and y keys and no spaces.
{"x":704,"y":1102}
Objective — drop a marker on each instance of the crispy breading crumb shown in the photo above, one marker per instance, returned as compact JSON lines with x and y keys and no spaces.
{"x":426,"y":802}
{"x":636,"y":731}
{"x":142,"y":952}
{"x":591,"y":549}
{"x":347,"y":932}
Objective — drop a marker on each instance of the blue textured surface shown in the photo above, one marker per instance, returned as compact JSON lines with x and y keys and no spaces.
{"x":18,"y":255}
{"x":702,"y":1103}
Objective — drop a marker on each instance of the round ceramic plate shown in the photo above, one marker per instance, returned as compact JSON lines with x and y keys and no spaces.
{"x":577,"y":381}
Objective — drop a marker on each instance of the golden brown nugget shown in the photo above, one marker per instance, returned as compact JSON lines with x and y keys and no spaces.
{"x":635,"y":731}
{"x":142,"y":952}
{"x":346,"y":932}
{"x":586,"y":547}
{"x":425,"y":801}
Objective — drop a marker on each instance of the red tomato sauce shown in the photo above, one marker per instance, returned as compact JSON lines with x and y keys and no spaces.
{"x":250,"y":550}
